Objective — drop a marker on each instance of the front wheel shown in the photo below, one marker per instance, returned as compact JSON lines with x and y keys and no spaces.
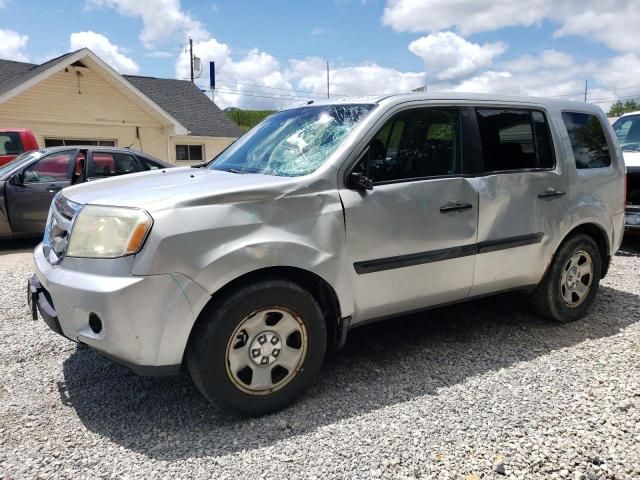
{"x":259,"y":348}
{"x":571,"y":282}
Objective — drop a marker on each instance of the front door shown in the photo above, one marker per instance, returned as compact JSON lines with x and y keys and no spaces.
{"x":411,"y":239}
{"x":28,"y":203}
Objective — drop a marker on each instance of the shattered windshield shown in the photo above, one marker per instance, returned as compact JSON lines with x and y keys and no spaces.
{"x":627,"y":130}
{"x":292,"y":143}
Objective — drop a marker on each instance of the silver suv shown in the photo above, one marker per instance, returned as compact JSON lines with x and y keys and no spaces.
{"x":247,"y":269}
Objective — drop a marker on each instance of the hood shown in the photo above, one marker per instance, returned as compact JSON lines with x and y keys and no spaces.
{"x":631,"y":159}
{"x":177,"y":187}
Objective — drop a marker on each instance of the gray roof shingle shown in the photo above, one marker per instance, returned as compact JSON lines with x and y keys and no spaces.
{"x":179,"y":98}
{"x":12,"y":74}
{"x":188,"y":105}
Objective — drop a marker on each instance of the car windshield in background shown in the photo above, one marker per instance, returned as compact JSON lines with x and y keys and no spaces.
{"x":21,"y":160}
{"x":627,"y":130}
{"x":292,"y":143}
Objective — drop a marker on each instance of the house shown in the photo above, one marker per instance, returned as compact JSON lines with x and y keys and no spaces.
{"x":78,"y":99}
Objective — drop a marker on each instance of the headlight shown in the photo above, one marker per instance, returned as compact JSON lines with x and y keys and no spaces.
{"x":108,"y":232}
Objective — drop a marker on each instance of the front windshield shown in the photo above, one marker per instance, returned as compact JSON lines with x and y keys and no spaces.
{"x":292,"y":143}
{"x":21,"y":160}
{"x":627,"y":130}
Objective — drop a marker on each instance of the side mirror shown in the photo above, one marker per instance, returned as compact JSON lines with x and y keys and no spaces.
{"x":17,"y":179}
{"x":359,"y":181}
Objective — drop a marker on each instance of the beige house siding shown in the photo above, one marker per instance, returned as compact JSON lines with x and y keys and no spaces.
{"x":85,"y":106}
{"x":88,"y":103}
{"x":212,"y":146}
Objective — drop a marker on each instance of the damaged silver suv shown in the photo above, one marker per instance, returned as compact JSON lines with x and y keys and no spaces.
{"x":247,"y":269}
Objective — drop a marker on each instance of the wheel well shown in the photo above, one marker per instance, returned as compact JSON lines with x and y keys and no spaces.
{"x":600,"y":237}
{"x":321,"y":290}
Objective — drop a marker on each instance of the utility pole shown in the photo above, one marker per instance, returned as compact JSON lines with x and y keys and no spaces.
{"x":191,"y":56}
{"x":585,"y":90}
{"x":327,"y":78}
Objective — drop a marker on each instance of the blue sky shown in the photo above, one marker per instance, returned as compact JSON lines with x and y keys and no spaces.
{"x":272,"y":53}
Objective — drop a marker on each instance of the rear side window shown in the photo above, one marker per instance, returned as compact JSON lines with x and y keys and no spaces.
{"x":514,"y":139}
{"x":590,"y":148}
{"x":109,"y":164}
{"x":10,"y":143}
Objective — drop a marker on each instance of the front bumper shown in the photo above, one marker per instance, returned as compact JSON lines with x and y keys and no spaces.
{"x":632,"y":218}
{"x":145,"y":320}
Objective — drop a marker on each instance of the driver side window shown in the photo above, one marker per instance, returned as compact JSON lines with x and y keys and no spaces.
{"x":52,"y":168}
{"x":415,"y":144}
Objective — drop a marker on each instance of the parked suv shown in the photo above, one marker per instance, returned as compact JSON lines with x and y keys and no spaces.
{"x":323,"y":218}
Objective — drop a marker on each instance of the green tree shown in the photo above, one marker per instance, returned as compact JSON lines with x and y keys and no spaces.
{"x":620,"y":108}
{"x":616,"y":109}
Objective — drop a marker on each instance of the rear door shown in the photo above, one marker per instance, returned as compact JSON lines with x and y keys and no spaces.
{"x":522,"y":197}
{"x":28,"y":204}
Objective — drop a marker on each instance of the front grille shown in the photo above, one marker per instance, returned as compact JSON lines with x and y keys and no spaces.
{"x":56,"y":235}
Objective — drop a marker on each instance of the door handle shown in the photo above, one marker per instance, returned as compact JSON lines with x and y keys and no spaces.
{"x":551,"y":194}
{"x":455,"y":207}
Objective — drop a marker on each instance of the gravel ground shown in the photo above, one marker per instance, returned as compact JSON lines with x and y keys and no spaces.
{"x":482,"y":390}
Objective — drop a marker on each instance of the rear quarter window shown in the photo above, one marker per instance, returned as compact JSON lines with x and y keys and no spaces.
{"x":10,"y":143}
{"x":588,"y":141}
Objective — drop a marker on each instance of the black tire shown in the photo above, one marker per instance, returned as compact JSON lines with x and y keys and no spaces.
{"x":548,"y":300}
{"x":207,"y":349}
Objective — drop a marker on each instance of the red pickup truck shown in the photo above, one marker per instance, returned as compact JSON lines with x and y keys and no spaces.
{"x":14,"y":142}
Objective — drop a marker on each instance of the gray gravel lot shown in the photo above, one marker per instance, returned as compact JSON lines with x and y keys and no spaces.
{"x":482,"y":390}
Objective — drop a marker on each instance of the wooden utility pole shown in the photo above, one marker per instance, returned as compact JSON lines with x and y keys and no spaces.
{"x":327,"y":79}
{"x":191,"y":56}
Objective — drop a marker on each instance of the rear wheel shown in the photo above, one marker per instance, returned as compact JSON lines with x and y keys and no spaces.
{"x":571,"y":282}
{"x":259,"y":348}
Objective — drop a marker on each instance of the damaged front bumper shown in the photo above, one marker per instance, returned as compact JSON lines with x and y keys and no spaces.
{"x":142,"y":322}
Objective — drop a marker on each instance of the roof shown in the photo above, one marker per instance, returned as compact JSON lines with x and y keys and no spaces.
{"x":460,"y":97}
{"x":13,"y":74}
{"x":187,"y":104}
{"x":180,"y":101}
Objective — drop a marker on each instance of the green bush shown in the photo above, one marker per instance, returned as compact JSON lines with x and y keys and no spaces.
{"x":247,"y":119}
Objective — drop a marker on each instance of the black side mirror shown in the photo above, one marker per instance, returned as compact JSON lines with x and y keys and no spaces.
{"x":17,"y":179}
{"x":359,"y":181}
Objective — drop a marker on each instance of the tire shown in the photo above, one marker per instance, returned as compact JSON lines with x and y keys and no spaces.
{"x":559,"y":295}
{"x":250,"y":326}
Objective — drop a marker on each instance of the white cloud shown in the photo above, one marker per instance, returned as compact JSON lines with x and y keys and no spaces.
{"x":467,"y":17}
{"x":12,"y":45}
{"x":613,"y":22}
{"x":367,"y":79}
{"x":448,"y":56}
{"x":621,"y":72}
{"x":162,"y":19}
{"x":320,"y":31}
{"x":106,"y":50}
{"x":255,"y":75}
{"x":159,"y":54}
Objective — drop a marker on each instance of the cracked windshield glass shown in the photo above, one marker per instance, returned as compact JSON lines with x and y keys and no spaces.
{"x":292,"y":143}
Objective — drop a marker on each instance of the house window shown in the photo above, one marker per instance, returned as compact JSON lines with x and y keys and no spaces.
{"x":189,"y":152}
{"x":65,"y":142}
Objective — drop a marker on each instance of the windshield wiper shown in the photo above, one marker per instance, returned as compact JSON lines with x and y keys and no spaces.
{"x":233,"y":170}
{"x":200,"y":165}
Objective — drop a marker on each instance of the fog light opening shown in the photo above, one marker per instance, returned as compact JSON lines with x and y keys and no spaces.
{"x":95,"y":324}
